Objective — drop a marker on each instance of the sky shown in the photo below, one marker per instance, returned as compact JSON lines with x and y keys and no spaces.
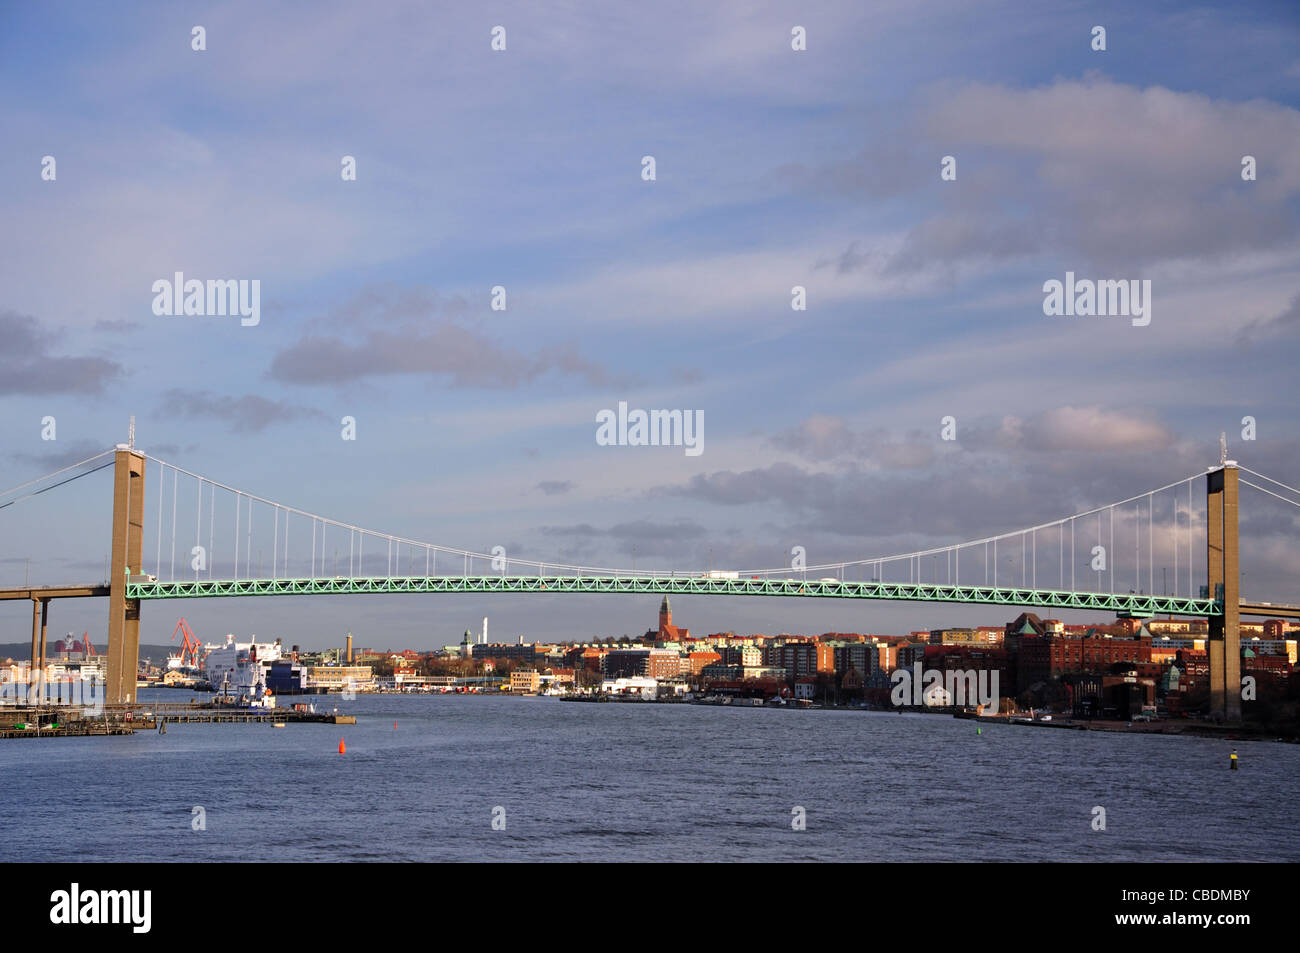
{"x":523,"y":169}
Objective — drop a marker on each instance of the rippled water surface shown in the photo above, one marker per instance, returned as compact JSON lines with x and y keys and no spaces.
{"x":630,"y":782}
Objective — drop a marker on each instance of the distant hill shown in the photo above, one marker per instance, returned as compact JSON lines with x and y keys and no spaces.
{"x":22,"y":651}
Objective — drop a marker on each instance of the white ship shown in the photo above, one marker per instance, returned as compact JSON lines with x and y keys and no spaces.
{"x":237,"y":670}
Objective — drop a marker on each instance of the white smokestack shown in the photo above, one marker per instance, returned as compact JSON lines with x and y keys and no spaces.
{"x":482,"y":640}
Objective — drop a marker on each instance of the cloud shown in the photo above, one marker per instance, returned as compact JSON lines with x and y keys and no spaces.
{"x":1002,"y":476}
{"x":825,"y":437}
{"x":116,"y":327}
{"x":250,"y":413}
{"x":385,"y":304}
{"x":555,"y":487}
{"x":637,"y":537}
{"x":1283,"y":325}
{"x":28,"y":367}
{"x":1038,"y":173}
{"x":1083,"y":429}
{"x":57,"y":454}
{"x":1173,"y":192}
{"x":467,"y":358}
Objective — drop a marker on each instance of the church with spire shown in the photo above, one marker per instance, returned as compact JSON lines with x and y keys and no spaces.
{"x":667,"y":632}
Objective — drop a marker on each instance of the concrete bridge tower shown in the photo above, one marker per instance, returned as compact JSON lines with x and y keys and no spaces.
{"x":124,"y":613}
{"x":1224,"y":641}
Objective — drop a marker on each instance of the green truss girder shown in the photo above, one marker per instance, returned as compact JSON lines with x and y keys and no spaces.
{"x":1142,"y":606}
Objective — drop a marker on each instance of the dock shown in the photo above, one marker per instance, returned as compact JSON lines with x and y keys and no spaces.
{"x":128,"y":719}
{"x":245,"y":716}
{"x":74,"y":729}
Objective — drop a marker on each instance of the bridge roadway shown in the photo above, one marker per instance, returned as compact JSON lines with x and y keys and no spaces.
{"x":54,"y":592}
{"x":1139,"y":605}
{"x":1125,"y":603}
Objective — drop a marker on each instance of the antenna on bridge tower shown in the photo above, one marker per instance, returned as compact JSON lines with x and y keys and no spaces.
{"x":1223,"y":447}
{"x":130,"y":433}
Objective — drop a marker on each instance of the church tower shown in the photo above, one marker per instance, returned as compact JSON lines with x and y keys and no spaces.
{"x":665,"y":616}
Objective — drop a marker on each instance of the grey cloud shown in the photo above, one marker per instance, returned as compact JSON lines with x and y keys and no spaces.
{"x":383,"y":305}
{"x":249,"y":413}
{"x":1283,"y":325}
{"x":640,"y":537}
{"x":468,"y":358}
{"x":963,"y":495}
{"x":390,"y":329}
{"x":823,"y":437}
{"x":1038,"y":173}
{"x":27,"y":365}
{"x":117,"y":327}
{"x":555,"y":487}
{"x":1064,"y":429}
{"x":963,"y":237}
{"x":576,"y":529}
{"x":57,"y":454}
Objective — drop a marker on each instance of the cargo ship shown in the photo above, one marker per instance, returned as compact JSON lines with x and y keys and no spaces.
{"x":237,"y":671}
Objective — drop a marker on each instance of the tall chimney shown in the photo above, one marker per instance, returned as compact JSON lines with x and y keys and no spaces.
{"x":483,"y":638}
{"x":349,"y":648}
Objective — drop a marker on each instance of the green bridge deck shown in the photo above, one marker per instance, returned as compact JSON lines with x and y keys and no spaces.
{"x":1138,"y":605}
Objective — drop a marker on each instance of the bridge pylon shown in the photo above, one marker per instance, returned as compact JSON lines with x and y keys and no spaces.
{"x":1223,"y":575}
{"x":124,"y":613}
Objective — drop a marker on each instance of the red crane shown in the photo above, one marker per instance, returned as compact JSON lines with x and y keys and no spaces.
{"x":86,"y":646}
{"x":190,"y":645}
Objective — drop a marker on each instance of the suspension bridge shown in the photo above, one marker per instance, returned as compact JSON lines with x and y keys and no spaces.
{"x":1103,"y":558}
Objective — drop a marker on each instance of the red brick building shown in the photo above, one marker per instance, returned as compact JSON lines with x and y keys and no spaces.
{"x":667,"y":632}
{"x":804,"y":659}
{"x":1045,"y":657}
{"x":697,"y":660}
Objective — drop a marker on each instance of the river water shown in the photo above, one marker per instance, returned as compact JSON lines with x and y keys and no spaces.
{"x":424,"y":776}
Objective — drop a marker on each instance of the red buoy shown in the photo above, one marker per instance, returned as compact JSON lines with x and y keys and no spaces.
{"x":342,"y":747}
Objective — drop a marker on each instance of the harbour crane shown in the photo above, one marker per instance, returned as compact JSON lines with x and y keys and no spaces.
{"x":190,"y":644}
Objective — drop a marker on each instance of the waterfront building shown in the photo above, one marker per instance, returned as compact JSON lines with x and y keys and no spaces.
{"x":962,"y":636}
{"x":1045,"y":657}
{"x":1025,"y":625}
{"x":862,"y":657}
{"x":525,"y":681}
{"x":696,"y":661}
{"x":749,"y":655}
{"x":970,"y":658}
{"x":718,"y":671}
{"x":1121,"y":694}
{"x":525,"y":653}
{"x":648,"y":662}
{"x":338,"y":678}
{"x":1274,"y":668}
{"x":647,"y":688}
{"x":804,"y":658}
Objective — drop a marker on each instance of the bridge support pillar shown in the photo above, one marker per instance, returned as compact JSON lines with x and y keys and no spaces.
{"x":1222,"y":554}
{"x":45,"y":618}
{"x":36,"y":634}
{"x":123,"y":613}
